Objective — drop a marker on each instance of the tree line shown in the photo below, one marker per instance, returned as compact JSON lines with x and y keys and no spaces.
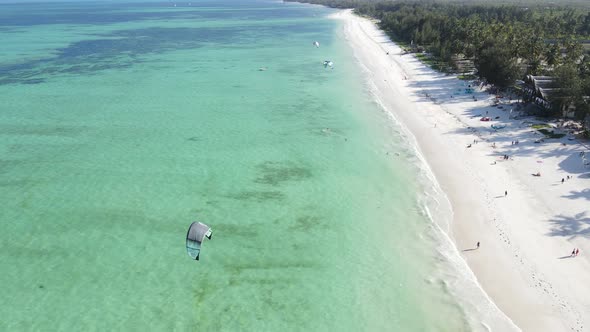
{"x":504,"y":42}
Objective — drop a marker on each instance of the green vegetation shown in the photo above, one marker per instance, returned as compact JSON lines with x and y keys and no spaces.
{"x":499,"y":41}
{"x":540,"y":126}
{"x":582,"y":4}
{"x":550,"y":134}
{"x":467,"y":77}
{"x":502,"y":42}
{"x":433,"y":62}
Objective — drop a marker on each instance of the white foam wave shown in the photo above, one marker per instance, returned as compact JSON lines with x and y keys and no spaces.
{"x":481,"y":312}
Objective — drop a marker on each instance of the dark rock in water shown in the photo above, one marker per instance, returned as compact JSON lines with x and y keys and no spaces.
{"x":41,"y":287}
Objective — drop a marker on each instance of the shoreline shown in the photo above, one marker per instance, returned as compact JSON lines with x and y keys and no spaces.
{"x":526,"y":235}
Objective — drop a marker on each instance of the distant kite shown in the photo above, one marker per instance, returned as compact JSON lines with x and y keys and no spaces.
{"x":316,"y":43}
{"x":195,"y":236}
{"x":328,"y":63}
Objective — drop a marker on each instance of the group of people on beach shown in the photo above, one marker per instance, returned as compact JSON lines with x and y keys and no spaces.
{"x":575,"y":252}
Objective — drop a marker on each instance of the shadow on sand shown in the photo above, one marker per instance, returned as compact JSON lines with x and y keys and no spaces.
{"x":571,"y":226}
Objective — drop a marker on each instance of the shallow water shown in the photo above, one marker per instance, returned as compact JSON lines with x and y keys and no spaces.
{"x":120,"y":124}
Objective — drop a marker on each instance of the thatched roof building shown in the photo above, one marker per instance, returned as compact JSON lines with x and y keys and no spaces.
{"x":540,"y":90}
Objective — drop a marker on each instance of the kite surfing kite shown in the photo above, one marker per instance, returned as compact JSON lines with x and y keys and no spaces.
{"x":316,"y":43}
{"x":328,"y":63}
{"x":195,"y":236}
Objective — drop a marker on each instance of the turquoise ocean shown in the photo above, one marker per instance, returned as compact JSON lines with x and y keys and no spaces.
{"x":121,"y":123}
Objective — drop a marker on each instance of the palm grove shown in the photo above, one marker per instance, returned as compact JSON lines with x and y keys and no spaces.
{"x":504,"y":42}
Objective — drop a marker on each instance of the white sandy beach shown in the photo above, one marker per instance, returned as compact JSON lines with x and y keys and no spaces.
{"x":526,"y":236}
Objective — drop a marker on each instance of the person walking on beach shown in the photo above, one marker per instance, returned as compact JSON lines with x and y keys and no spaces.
{"x":573,"y":253}
{"x":477,"y":245}
{"x":562,"y":179}
{"x":577,"y":251}
{"x":505,"y":193}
